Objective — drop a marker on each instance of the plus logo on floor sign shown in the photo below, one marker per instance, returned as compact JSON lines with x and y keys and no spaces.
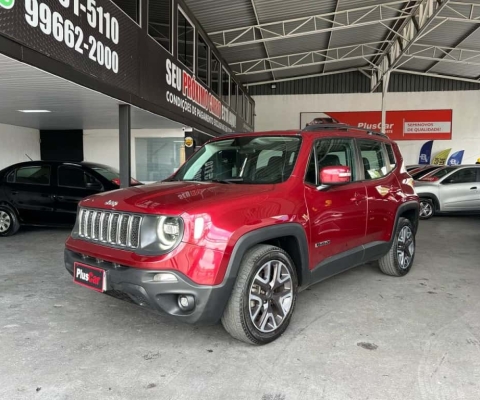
{"x":8,"y":4}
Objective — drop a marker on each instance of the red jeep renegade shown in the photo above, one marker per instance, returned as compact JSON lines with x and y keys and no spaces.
{"x":248,"y":222}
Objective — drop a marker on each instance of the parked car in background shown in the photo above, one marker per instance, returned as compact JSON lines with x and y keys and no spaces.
{"x":44,"y":193}
{"x":419,"y":173}
{"x":449,"y":189}
{"x":247,"y":223}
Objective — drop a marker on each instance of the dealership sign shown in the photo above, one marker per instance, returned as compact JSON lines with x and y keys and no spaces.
{"x":400,"y":125}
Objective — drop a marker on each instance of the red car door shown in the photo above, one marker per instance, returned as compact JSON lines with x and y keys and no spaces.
{"x":337,"y":214}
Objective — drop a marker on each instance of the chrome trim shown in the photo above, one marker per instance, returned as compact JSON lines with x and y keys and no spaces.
{"x":92,"y":231}
{"x":100,"y":228}
{"x":109,"y":230}
{"x":131,"y":218}
{"x":119,"y":230}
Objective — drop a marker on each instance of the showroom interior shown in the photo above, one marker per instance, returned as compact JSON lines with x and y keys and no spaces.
{"x":139,"y":86}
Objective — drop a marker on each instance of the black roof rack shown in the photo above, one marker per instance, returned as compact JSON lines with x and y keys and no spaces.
{"x":319,"y":127}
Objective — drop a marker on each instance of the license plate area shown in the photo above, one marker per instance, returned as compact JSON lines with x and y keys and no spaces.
{"x":91,"y":277}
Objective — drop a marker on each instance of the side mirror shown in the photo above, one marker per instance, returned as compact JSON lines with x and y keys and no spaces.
{"x":94,"y":186}
{"x":336,"y":175}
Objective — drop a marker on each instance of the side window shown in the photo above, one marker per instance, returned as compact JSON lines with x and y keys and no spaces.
{"x":11,"y":177}
{"x":74,"y":177}
{"x":330,"y":152}
{"x":33,"y":175}
{"x":374,"y":163}
{"x":467,"y":175}
{"x":391,"y":156}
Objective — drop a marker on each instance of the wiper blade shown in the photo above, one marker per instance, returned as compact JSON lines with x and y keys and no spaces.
{"x":228,"y":181}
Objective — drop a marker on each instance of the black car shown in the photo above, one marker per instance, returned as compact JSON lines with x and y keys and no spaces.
{"x":46,"y":193}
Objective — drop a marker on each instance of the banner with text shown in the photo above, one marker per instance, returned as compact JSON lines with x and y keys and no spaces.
{"x":400,"y":125}
{"x":441,"y":158}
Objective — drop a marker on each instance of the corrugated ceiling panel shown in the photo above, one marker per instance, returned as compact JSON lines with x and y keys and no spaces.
{"x":310,"y":70}
{"x":300,"y":44}
{"x":457,"y":10}
{"x":447,"y":34}
{"x":472,"y":42}
{"x":416,"y":65}
{"x":266,"y":76}
{"x":222,"y":14}
{"x":454,"y":69}
{"x":243,"y":53}
{"x":279,"y":10}
{"x":363,"y":34}
{"x":338,"y":66}
{"x":350,"y":4}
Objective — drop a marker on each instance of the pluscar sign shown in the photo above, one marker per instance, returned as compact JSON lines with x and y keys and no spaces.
{"x":192,"y":97}
{"x":400,"y":125}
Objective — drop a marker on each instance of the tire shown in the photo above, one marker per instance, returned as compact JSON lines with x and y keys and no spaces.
{"x":393,"y":263}
{"x":427,"y":209}
{"x":254,"y":315}
{"x":9,"y":224}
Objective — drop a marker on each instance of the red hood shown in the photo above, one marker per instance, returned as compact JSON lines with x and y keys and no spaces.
{"x":173,"y":198}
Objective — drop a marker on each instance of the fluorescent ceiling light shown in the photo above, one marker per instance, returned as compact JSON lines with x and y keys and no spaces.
{"x":34,"y":111}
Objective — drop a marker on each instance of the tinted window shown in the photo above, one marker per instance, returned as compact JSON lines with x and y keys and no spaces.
{"x":11,"y":177}
{"x":74,"y":177}
{"x":107,"y":172}
{"x":391,"y":155}
{"x":215,"y":86}
{"x":129,"y":7}
{"x":233,"y":95}
{"x":39,"y":175}
{"x":225,"y":86}
{"x":467,"y":175}
{"x":159,"y":22}
{"x":374,"y":165}
{"x":185,"y":39}
{"x":330,"y":152}
{"x":203,"y":67}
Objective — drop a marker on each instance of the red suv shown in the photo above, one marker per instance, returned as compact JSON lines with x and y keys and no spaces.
{"x":248,"y":222}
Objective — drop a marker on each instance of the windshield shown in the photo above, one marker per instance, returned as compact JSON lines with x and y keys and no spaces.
{"x":251,"y":159}
{"x":107,"y":172}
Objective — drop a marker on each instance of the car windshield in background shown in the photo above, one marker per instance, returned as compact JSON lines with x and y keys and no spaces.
{"x":107,"y":172}
{"x":249,"y":159}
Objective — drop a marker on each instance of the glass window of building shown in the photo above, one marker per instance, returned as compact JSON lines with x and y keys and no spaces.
{"x":129,"y":7}
{"x":252,"y":112}
{"x":225,"y":86}
{"x":215,"y":85}
{"x":159,"y":25}
{"x":158,"y":158}
{"x":233,"y":95}
{"x":185,"y":40}
{"x":240,"y":103}
{"x":202,"y":60}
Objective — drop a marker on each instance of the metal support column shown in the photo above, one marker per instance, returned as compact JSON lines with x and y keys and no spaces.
{"x":143,"y":14}
{"x":125,"y":143}
{"x":386,"y":81}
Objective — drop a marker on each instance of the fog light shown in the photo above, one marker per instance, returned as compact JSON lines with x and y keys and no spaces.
{"x":165,"y":277}
{"x":186,"y":302}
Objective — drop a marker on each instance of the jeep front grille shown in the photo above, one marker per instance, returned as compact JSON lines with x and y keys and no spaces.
{"x":110,"y":228}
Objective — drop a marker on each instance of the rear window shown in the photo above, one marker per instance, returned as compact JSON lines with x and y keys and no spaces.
{"x":33,"y":175}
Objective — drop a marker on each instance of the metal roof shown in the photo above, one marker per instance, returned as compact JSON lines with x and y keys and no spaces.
{"x":268,"y":41}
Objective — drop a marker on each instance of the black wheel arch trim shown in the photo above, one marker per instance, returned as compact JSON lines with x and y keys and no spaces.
{"x":265,"y":234}
{"x":405,"y":207}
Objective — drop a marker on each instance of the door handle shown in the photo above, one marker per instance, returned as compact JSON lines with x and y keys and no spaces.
{"x":473,"y":188}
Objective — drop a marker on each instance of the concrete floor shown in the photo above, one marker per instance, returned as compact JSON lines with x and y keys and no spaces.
{"x":360,"y":335}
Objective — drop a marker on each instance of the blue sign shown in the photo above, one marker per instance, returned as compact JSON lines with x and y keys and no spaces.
{"x":426,"y":153}
{"x":456,"y":158}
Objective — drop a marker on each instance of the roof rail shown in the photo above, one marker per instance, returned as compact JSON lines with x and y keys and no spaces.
{"x":339,"y":126}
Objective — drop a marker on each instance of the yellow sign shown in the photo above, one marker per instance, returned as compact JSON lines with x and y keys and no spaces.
{"x":441,"y":158}
{"x":188,"y":141}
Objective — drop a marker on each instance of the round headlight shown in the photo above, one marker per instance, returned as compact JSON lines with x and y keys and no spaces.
{"x":168,"y":232}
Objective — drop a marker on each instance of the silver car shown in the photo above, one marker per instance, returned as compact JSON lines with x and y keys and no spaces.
{"x":449,"y":189}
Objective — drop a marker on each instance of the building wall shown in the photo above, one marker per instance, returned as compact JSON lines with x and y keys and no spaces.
{"x":101,"y":145}
{"x":283,"y":112}
{"x":15,"y":142}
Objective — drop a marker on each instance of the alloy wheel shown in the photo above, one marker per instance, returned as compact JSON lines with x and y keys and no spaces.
{"x":271,"y":296}
{"x":5,"y":222}
{"x":426,"y":209}
{"x":405,"y":247}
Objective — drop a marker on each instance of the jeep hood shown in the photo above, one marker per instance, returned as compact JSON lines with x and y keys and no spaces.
{"x":174,"y":198}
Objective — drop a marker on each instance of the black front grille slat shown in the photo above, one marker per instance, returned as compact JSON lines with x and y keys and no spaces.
{"x":114,"y":229}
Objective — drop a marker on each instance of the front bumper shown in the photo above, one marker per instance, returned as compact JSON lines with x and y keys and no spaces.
{"x":137,"y":286}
